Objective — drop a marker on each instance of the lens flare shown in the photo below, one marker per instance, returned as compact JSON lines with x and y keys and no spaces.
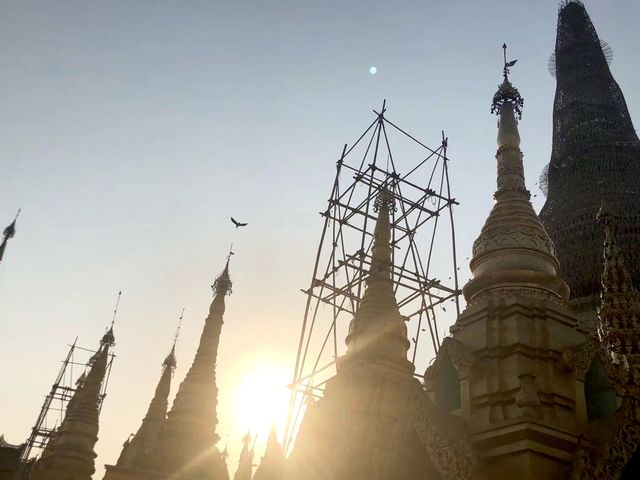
{"x":262,"y":399}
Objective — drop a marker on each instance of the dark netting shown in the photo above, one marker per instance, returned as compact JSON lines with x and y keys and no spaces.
{"x":596,"y":153}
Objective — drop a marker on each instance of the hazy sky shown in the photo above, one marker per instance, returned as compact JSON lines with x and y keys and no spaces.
{"x":131,"y":130}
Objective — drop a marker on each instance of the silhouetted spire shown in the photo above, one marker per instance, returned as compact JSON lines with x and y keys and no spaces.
{"x":186,"y":446}
{"x":170,"y":361}
{"x":378,"y":330}
{"x":136,"y":451}
{"x":619,"y":312}
{"x":513,"y":251}
{"x":69,"y":454}
{"x":594,"y":144}
{"x":245,"y":463}
{"x":8,"y":233}
{"x":272,"y":464}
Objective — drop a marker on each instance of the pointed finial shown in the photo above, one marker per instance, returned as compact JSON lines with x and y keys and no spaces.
{"x":222,"y":284}
{"x":115,"y":310}
{"x":615,"y":276}
{"x":507,"y":93}
{"x":109,"y":337}
{"x":504,"y":54}
{"x":170,"y":361}
{"x":10,"y":231}
{"x":175,"y":338}
{"x":385,"y":197}
{"x":507,"y":65}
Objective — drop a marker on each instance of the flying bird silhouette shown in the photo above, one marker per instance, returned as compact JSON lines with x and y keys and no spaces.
{"x":237,"y":223}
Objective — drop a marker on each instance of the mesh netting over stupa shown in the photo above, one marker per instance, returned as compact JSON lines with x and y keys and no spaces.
{"x":596,"y":154}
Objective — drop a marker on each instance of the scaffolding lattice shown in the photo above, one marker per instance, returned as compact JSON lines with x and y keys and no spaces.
{"x":74,"y":368}
{"x":423,"y":241}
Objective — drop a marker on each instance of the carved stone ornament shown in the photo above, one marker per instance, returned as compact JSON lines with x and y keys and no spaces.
{"x":459,"y":354}
{"x":448,"y":448}
{"x":604,"y":459}
{"x":508,"y":293}
{"x":514,"y":236}
{"x":527,"y":397}
{"x":577,"y":360}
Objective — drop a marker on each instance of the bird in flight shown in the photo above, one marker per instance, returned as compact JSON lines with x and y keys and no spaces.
{"x":237,"y":223}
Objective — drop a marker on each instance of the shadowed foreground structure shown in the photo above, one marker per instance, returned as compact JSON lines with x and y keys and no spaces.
{"x":524,"y":387}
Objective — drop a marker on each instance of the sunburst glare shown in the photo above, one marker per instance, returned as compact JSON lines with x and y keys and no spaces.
{"x":261,"y":400}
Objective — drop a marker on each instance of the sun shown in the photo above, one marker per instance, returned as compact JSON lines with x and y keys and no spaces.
{"x":261,"y":400}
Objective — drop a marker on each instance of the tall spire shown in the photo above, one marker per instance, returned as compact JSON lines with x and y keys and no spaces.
{"x":378,"y":330}
{"x":245,"y":463}
{"x":186,"y":446}
{"x":594,"y":143}
{"x":69,"y":455}
{"x":619,"y":312}
{"x":272,"y":464}
{"x":137,"y":449}
{"x":8,"y":233}
{"x":513,"y":251}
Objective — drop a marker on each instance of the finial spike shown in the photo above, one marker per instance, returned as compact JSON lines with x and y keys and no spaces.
{"x":175,"y":338}
{"x":115,"y":310}
{"x":507,"y":92}
{"x":108,"y":337}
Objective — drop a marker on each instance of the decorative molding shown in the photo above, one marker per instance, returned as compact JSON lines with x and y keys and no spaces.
{"x":527,"y":397}
{"x":447,"y":447}
{"x":459,"y":354}
{"x":604,"y":459}
{"x":451,"y":453}
{"x":512,"y":236}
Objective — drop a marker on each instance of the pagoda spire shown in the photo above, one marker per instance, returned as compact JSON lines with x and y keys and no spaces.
{"x":619,"y":312}
{"x":8,"y":233}
{"x":594,"y":145}
{"x":70,"y":455}
{"x":378,"y":331}
{"x":186,"y":446}
{"x":245,"y":463}
{"x":513,"y":251}
{"x":272,"y":464}
{"x":137,"y":449}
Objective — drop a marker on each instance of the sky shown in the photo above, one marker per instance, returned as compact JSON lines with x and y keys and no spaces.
{"x":131,"y":130}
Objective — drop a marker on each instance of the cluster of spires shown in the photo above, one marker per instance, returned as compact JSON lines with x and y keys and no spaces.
{"x":177,"y":443}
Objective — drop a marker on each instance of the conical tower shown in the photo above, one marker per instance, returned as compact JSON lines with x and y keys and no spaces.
{"x":70,"y":455}
{"x":513,"y":252}
{"x":500,"y":373}
{"x":272,"y":464}
{"x":595,"y":149}
{"x":346,"y":433}
{"x":134,"y":458}
{"x":377,"y":332}
{"x":186,"y":448}
{"x":245,"y":463}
